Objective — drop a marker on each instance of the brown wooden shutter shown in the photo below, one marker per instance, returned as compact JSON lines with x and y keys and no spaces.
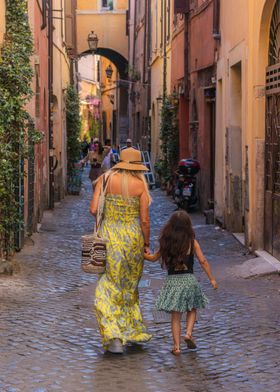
{"x":69,"y":6}
{"x":180,"y":6}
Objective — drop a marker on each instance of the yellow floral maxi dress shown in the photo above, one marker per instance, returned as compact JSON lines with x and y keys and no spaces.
{"x":116,"y":297}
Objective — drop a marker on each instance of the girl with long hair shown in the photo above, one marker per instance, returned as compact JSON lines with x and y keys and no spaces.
{"x":181,"y":291}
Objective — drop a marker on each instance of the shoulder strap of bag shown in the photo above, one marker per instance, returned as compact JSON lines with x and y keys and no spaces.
{"x":101,"y":202}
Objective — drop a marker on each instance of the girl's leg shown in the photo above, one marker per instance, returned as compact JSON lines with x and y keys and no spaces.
{"x":176,"y":330}
{"x":191,"y":318}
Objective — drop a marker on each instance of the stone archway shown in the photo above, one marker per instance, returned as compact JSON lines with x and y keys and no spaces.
{"x":119,"y":133}
{"x":117,"y":59}
{"x":110,"y":27}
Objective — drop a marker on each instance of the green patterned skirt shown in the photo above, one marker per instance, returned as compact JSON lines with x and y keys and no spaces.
{"x":181,"y":293}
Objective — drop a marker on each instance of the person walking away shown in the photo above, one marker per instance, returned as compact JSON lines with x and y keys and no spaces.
{"x":181,"y":291}
{"x":126,"y":226}
{"x":106,"y":164}
{"x":95,"y":157}
{"x":128,"y":145}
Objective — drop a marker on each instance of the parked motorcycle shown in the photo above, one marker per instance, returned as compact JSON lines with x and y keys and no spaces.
{"x":185,"y":193}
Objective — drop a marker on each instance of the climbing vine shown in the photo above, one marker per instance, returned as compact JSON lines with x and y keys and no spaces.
{"x":73,"y":125}
{"x":17,"y":131}
{"x":169,"y":136}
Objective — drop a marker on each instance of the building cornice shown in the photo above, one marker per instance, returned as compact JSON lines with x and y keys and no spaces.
{"x":94,"y":12}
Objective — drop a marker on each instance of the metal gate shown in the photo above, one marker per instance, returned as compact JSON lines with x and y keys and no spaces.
{"x":272,"y":140}
{"x":272,"y":162}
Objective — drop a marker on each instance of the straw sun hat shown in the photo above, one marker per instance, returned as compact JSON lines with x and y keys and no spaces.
{"x":130,"y":159}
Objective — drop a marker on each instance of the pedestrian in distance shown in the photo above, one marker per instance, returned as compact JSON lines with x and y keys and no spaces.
{"x":126,"y":226}
{"x":181,"y":292}
{"x":92,"y":143}
{"x":95,"y":157}
{"x":128,"y":144}
{"x":108,"y":152}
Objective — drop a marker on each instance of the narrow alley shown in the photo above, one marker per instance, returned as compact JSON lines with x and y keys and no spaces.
{"x":49,"y":338}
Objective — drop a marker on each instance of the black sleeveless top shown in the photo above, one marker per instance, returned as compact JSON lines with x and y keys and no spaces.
{"x":188,"y":264}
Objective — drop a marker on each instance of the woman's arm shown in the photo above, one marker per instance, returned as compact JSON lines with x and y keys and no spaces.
{"x":145,"y":218}
{"x":95,"y":197}
{"x":153,"y":257}
{"x":204,"y":264}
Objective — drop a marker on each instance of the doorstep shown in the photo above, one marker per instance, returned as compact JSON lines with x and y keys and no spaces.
{"x":263,"y":264}
{"x":240,"y":237}
{"x":275,"y":263}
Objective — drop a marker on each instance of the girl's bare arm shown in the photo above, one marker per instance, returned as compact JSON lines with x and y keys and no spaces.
{"x":145,"y":218}
{"x":204,"y":264}
{"x":153,"y":257}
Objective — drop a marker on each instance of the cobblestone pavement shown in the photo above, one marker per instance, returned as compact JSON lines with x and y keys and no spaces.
{"x":48,"y":334}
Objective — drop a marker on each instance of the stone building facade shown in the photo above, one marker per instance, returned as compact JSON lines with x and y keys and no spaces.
{"x":247,"y":191}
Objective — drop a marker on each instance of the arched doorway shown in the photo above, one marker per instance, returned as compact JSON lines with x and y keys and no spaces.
{"x":272,"y":139}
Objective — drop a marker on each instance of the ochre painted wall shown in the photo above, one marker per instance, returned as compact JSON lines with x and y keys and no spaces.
{"x":2,"y":20}
{"x":245,"y":39}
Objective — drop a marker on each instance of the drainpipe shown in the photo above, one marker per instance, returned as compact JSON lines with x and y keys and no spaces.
{"x":149,"y":74}
{"x":144,"y":88}
{"x":50,"y":87}
{"x":186,"y":51}
{"x":132,"y":132}
{"x":164,"y":53}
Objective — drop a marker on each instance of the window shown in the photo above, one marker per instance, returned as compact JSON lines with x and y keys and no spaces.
{"x":69,"y":24}
{"x":108,"y":4}
{"x":216,"y":19}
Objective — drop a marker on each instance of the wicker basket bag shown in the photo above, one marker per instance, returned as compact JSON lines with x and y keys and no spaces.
{"x":93,"y":246}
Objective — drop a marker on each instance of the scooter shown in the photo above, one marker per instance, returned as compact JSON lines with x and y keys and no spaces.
{"x":185,"y":193}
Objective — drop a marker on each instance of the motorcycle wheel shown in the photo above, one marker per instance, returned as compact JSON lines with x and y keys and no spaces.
{"x":185,"y":205}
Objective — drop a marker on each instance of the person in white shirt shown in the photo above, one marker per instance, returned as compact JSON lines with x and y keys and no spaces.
{"x":107,"y":161}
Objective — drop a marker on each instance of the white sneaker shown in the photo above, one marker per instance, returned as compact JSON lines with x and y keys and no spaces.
{"x":115,"y":346}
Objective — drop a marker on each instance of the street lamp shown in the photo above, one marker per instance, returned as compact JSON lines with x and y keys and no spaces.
{"x":109,"y":71}
{"x":92,"y":41}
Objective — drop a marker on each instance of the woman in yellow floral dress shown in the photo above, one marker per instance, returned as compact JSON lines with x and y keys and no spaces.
{"x":126,"y":226}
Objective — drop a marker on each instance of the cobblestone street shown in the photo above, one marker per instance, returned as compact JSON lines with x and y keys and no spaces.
{"x":49,"y":338}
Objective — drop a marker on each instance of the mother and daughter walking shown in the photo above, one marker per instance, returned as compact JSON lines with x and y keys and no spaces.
{"x":126,"y":226}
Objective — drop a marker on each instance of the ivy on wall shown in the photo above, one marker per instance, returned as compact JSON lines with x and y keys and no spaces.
{"x":169,"y":136}
{"x":73,"y":125}
{"x":17,"y":130}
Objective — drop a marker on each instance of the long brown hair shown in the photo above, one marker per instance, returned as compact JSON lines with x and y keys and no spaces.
{"x":176,"y":239}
